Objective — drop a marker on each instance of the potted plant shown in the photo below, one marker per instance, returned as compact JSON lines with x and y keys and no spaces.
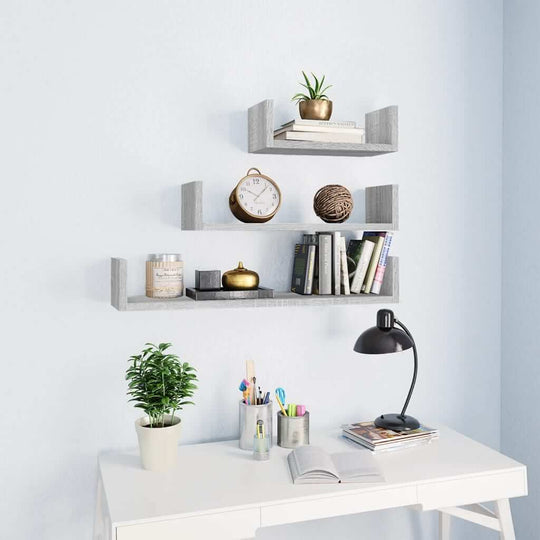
{"x":316,"y":105}
{"x":159,"y":384}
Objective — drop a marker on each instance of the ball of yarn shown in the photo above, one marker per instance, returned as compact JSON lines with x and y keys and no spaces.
{"x":333,"y":203}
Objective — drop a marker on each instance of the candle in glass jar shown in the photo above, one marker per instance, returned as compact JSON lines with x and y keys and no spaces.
{"x":164,"y":275}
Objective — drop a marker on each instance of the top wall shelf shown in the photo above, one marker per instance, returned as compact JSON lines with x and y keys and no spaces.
{"x":381,"y":135}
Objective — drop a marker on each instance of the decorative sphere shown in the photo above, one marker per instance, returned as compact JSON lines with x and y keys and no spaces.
{"x":333,"y":203}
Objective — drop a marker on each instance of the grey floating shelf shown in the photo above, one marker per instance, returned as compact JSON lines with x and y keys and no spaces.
{"x":381,"y":135}
{"x":381,"y":205}
{"x":121,"y":301}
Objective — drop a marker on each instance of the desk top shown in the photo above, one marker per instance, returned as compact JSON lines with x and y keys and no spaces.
{"x":216,"y":477}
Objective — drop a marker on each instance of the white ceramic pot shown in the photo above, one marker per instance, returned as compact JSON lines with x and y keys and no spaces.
{"x":158,"y":446}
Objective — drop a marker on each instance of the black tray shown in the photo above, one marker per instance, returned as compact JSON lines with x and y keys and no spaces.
{"x":222,"y":294}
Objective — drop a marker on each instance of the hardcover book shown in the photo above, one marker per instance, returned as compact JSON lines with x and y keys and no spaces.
{"x":325,"y":263}
{"x":321,"y":123}
{"x":336,"y":262}
{"x":357,"y":138}
{"x":345,"y":285}
{"x":358,"y":256}
{"x":315,"y":128}
{"x":303,"y":268}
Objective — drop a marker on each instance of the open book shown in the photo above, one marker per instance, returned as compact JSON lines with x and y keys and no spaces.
{"x":312,"y":465}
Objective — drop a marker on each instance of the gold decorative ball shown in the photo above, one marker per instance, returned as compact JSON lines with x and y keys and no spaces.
{"x":333,"y":203}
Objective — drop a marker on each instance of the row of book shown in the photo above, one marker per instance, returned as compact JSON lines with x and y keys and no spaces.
{"x":382,"y":440}
{"x":323,"y":264}
{"x":320,"y":131}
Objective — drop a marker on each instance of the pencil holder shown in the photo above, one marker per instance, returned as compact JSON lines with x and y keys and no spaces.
{"x":292,"y":431}
{"x":248,"y":416}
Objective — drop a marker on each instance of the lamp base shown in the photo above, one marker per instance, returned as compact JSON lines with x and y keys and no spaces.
{"x":396,"y":422}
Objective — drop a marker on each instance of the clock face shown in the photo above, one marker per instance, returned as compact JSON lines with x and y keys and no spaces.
{"x":258,"y":196}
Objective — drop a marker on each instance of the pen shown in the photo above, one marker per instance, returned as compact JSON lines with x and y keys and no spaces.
{"x":266,"y":398}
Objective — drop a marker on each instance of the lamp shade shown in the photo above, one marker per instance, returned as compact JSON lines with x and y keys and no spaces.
{"x":382,"y":341}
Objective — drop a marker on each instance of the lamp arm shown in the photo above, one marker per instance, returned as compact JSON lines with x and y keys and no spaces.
{"x":406,"y":330}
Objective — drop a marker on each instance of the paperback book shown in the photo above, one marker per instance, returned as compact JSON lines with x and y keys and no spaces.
{"x":312,"y":465}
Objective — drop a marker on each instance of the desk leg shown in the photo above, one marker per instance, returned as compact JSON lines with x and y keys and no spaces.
{"x":444,"y":526}
{"x":503,"y":512}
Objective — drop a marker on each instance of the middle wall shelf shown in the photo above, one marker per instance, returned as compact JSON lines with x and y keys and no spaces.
{"x":381,"y":210}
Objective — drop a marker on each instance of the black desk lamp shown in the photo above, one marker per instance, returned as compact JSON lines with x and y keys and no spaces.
{"x":386,"y":338}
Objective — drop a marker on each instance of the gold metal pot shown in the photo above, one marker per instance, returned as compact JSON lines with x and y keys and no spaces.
{"x":315,"y":109}
{"x":240,"y":279}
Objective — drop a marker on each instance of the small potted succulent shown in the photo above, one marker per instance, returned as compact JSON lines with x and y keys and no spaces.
{"x":159,"y":384}
{"x":316,"y":105}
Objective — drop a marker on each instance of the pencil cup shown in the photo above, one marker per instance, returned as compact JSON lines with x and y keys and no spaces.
{"x":261,"y":448}
{"x":249,"y":414}
{"x":292,"y":431}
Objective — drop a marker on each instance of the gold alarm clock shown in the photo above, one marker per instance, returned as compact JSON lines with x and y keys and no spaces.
{"x":255,"y":199}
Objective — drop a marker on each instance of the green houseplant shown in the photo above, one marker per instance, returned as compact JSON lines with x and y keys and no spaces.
{"x":161,"y":385}
{"x":314,"y":105}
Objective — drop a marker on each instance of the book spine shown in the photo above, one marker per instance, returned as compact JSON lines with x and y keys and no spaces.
{"x":362,"y":267}
{"x":310,"y":269}
{"x":379,"y":241}
{"x":344,"y":267}
{"x":325,"y":264}
{"x":336,"y":262}
{"x":381,"y":267}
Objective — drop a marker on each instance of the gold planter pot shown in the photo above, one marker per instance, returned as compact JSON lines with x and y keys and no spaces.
{"x":315,"y":109}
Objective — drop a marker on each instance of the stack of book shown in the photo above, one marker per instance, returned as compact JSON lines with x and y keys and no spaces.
{"x":320,"y":131}
{"x":381,"y":440}
{"x":324,"y":265}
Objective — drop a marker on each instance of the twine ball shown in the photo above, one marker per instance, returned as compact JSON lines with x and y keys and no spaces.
{"x":333,"y":203}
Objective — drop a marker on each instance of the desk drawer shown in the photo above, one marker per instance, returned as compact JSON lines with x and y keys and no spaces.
{"x":472,"y":490}
{"x":340,"y":505}
{"x":236,"y":525}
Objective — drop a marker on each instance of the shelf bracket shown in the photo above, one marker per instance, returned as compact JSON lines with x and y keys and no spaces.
{"x":192,"y":206}
{"x":119,"y":283}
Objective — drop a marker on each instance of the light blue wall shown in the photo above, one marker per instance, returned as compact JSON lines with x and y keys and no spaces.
{"x":107,"y":106}
{"x":520,"y":429}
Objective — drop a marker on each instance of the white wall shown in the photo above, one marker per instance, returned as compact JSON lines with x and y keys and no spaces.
{"x":520,"y":294}
{"x":108,"y":106}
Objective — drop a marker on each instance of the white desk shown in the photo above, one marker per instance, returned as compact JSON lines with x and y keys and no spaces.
{"x":219,"y":491}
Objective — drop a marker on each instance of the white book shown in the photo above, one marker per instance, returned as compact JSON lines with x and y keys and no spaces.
{"x":336,"y":262}
{"x":320,"y":137}
{"x":321,"y":123}
{"x":378,"y":242}
{"x":310,"y":269}
{"x":344,"y":267}
{"x":312,"y":465}
{"x":321,"y":129}
{"x":362,"y":267}
{"x":325,"y":263}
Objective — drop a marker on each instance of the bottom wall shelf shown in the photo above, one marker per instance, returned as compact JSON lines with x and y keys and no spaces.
{"x":120,"y":300}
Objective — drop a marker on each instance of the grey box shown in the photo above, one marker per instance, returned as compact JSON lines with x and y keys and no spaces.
{"x":208,"y":280}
